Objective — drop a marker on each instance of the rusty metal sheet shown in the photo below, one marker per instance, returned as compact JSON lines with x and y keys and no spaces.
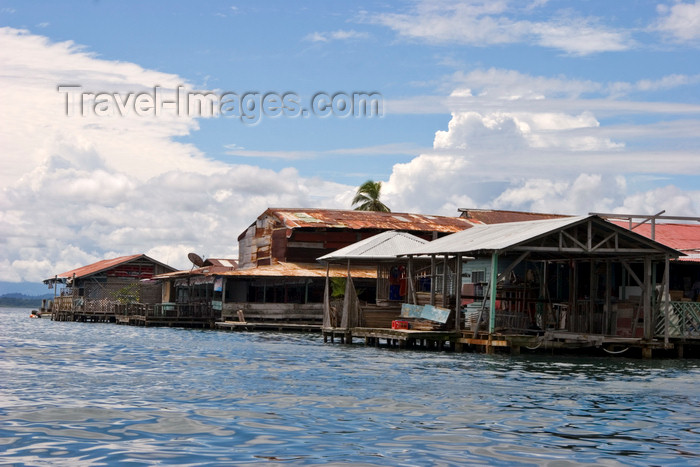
{"x":282,"y":269}
{"x":494,"y":216}
{"x":356,"y":220}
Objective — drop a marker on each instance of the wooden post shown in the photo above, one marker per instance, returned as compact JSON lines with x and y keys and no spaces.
{"x":647,"y":294}
{"x":608,"y":298}
{"x":432,"y":280}
{"x":666,"y":299}
{"x":492,"y":293}
{"x":458,"y":291}
{"x":591,"y":295}
{"x":573,"y":307}
{"x":444,"y":282}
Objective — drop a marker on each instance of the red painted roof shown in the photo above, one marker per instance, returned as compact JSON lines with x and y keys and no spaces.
{"x":682,"y":237}
{"x":104,"y":265}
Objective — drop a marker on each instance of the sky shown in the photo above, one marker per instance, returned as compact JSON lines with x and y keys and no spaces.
{"x":167,"y":127}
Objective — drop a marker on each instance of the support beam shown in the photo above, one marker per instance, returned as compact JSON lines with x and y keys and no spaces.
{"x":632,"y":274}
{"x":432,"y":280}
{"x":647,"y":294}
{"x":513,"y":265}
{"x":608,"y":298}
{"x":666,"y":299}
{"x":591,"y":295}
{"x":444,"y":282}
{"x":458,"y":290}
{"x":492,"y":293}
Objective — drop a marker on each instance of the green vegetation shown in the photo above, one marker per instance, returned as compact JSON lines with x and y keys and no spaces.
{"x":128,"y":294}
{"x":16,"y":300}
{"x":367,"y":197}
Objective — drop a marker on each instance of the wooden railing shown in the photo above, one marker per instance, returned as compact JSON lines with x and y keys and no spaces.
{"x":683,"y":320}
{"x":184,"y":310}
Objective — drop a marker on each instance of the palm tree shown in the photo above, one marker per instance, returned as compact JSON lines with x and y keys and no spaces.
{"x":367,"y":197}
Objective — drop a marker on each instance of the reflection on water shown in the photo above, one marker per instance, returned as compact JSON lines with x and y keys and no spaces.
{"x":92,"y":394}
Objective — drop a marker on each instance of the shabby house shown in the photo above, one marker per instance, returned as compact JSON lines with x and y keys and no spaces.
{"x":564,"y":282}
{"x":278,"y":279}
{"x":93,"y":292}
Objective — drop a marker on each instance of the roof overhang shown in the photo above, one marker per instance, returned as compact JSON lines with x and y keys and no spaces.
{"x":572,"y":237}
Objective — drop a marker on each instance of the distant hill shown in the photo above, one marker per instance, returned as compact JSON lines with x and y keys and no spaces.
{"x":23,"y":301}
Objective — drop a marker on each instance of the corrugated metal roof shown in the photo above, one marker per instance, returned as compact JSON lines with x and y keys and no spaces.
{"x":498,"y":237}
{"x":693,"y":256}
{"x":104,"y":265}
{"x":386,"y":245}
{"x":677,"y":236}
{"x":356,"y":220}
{"x":281,"y":269}
{"x":221,"y":263}
{"x":494,"y":216}
{"x":215,"y":267}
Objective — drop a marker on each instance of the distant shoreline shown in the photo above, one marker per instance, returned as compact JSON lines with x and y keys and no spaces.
{"x":15,"y":302}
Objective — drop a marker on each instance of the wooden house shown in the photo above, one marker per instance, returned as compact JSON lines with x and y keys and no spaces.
{"x":294,"y":235}
{"x":93,"y":292}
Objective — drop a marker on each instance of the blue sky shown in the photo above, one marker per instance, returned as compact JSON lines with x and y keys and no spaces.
{"x":552,"y":105}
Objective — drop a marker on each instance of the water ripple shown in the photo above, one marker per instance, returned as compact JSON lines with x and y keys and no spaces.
{"x":97,"y":394}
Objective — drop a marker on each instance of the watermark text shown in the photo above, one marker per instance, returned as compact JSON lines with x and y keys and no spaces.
{"x":248,"y":107}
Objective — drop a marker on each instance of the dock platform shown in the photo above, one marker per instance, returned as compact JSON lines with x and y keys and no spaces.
{"x":266,"y":326}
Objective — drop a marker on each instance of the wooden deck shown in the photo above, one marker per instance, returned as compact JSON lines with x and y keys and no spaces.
{"x":267,"y":326}
{"x":400,"y":338}
{"x":563,"y":341}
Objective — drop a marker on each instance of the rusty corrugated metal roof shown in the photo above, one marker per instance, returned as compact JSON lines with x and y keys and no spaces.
{"x":221,"y":263}
{"x":104,"y":265}
{"x":211,"y":266}
{"x":494,"y":216}
{"x":356,"y":220}
{"x":281,"y":269}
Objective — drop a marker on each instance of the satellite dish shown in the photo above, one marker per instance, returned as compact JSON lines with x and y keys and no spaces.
{"x":196,"y":259}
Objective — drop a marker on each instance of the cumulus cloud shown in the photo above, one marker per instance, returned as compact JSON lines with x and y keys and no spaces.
{"x":525,"y":142}
{"x":483,"y":23}
{"x":75,"y":190}
{"x":680,"y":21}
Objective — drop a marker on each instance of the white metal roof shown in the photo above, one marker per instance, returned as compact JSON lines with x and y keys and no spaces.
{"x":386,"y":245}
{"x":493,"y":236}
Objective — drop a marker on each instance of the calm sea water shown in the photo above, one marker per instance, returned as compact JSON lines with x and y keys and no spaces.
{"x":102,"y":394}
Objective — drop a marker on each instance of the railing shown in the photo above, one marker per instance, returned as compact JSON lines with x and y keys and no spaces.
{"x":683,"y":320}
{"x":184,"y":310}
{"x":63,"y":303}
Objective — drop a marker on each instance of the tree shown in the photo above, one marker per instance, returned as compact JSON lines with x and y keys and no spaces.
{"x":367,"y":197}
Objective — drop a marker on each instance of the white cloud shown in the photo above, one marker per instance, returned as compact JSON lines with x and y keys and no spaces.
{"x":525,"y":142}
{"x":681,"y":21}
{"x":670,"y":198}
{"x":74,"y":190}
{"x":338,"y":35}
{"x":483,"y":23}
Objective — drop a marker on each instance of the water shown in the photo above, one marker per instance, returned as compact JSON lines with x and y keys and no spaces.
{"x":102,"y":394}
